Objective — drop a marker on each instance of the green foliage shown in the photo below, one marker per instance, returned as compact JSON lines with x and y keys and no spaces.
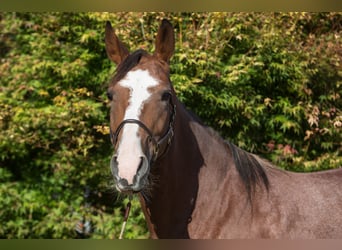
{"x":270,"y":79}
{"x":272,"y":82}
{"x":53,"y":139}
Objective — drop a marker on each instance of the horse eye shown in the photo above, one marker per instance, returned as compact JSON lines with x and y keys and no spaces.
{"x":166,"y":96}
{"x":110,"y":95}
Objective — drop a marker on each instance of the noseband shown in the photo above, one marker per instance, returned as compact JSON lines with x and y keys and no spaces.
{"x":163,"y":142}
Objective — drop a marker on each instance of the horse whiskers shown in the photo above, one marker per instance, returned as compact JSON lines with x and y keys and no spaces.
{"x":146,"y":194}
{"x":152,"y":182}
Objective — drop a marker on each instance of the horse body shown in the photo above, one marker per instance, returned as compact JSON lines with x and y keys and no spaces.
{"x":209,"y":200}
{"x":192,"y":183}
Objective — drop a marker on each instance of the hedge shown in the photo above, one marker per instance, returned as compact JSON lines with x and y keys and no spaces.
{"x":268,"y":82}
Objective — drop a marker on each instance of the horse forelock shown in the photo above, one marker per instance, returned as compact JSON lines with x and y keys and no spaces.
{"x":128,"y":64}
{"x":141,"y":59}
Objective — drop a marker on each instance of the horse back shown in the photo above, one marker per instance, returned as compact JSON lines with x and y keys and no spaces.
{"x":307,"y":205}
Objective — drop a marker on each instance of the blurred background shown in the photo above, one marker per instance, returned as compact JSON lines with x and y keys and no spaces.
{"x":268,"y":82}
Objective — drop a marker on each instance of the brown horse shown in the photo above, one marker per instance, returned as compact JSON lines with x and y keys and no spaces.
{"x":193,"y":184}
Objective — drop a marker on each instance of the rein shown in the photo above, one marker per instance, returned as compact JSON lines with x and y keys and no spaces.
{"x":128,"y":209}
{"x":163,"y":142}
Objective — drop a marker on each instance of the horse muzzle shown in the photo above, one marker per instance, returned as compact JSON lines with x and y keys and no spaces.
{"x":129,"y":182}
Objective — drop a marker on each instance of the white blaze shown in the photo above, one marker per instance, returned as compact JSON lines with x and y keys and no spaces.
{"x":129,"y":149}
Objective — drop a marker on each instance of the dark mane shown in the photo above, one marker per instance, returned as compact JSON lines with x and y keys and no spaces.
{"x":129,"y":63}
{"x":250,"y":169}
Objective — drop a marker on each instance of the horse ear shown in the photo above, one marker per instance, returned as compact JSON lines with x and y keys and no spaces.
{"x":116,"y":51}
{"x":165,"y":41}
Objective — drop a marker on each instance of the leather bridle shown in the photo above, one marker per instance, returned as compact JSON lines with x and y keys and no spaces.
{"x":164,"y":141}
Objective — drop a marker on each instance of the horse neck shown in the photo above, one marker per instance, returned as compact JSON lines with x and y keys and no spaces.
{"x":177,"y":176}
{"x":194,"y":148}
{"x":188,"y":150}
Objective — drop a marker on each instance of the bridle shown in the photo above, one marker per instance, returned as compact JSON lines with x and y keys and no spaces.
{"x":164,"y":141}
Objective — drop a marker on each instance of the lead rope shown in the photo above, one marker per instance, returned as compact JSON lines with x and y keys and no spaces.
{"x":128,"y":208}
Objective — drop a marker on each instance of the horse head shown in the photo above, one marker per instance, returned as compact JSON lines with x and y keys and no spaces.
{"x":142,"y":107}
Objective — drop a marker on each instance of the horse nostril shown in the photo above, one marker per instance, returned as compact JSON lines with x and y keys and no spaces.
{"x":143,"y":166}
{"x":123,"y":183}
{"x":114,"y":165}
{"x":140,"y":164}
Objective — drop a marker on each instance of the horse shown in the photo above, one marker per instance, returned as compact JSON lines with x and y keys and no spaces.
{"x":191,"y":183}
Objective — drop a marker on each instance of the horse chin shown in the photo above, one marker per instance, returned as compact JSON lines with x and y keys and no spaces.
{"x":128,"y":192}
{"x":136,"y":188}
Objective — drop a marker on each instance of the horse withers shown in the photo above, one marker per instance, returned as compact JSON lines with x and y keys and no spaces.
{"x":193,"y":184}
